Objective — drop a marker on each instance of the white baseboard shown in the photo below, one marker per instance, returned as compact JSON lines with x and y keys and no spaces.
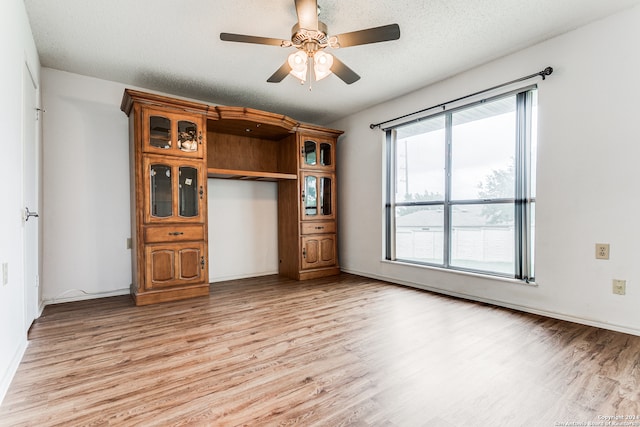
{"x":12,"y":369}
{"x":241,"y":276}
{"x":518,"y":307}
{"x":83,"y":295}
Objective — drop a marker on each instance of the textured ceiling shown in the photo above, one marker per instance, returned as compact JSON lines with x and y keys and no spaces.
{"x":173,"y":46}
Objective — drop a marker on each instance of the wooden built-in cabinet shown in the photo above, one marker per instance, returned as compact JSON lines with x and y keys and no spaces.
{"x":316,"y":236}
{"x":168,"y":197}
{"x":176,"y":145}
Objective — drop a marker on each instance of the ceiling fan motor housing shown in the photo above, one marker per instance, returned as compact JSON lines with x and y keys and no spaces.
{"x":302,"y":36}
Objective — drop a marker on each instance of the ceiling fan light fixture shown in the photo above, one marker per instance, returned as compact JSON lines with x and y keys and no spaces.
{"x":310,"y":36}
{"x":322,"y":63}
{"x":298,"y":63}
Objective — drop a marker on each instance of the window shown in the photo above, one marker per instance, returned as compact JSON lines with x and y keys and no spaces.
{"x":461,"y":188}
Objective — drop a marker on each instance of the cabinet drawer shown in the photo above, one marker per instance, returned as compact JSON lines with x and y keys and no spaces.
{"x":177,"y":233}
{"x":318,"y":227}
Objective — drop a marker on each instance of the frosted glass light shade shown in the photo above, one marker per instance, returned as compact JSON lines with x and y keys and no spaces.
{"x":322,"y":63}
{"x":298,"y":64}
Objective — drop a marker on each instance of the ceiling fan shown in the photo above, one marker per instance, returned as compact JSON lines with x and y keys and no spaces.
{"x":309,"y":37}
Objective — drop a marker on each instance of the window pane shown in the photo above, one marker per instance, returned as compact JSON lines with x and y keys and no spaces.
{"x":452,"y":168}
{"x":420,"y":161}
{"x":419,"y":233}
{"x":483,"y":151}
{"x":483,"y":237}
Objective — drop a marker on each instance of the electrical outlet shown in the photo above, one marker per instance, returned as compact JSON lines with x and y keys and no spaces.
{"x":602,"y":251}
{"x":619,"y":287}
{"x":5,"y":273}
{"x":128,"y":242}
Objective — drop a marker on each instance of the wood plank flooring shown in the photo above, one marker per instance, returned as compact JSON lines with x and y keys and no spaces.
{"x":328,"y":352}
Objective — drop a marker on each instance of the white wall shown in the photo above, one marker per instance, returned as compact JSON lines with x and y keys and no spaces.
{"x":86,"y":188}
{"x":243,"y":229}
{"x":587,"y":178}
{"x":86,"y":196}
{"x":18,"y":48}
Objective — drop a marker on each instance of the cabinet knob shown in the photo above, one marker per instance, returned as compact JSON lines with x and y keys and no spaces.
{"x":304,"y":253}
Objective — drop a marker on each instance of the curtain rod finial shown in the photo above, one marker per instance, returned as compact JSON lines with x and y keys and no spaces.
{"x":546,"y":72}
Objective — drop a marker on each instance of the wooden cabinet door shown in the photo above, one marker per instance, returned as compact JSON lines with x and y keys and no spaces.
{"x":173,"y":133}
{"x":175,"y":264}
{"x":318,"y":196}
{"x":175,"y":190}
{"x":319,"y":251}
{"x":317,"y":152}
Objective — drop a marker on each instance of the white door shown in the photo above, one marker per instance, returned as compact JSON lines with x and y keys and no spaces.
{"x":30,"y":155}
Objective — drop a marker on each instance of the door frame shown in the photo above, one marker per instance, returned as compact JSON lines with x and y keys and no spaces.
{"x":31,"y":197}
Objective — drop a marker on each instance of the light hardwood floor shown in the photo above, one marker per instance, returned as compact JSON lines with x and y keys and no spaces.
{"x":337,"y":351}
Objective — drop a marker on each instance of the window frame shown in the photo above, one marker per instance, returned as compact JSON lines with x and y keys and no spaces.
{"x":523,"y":201}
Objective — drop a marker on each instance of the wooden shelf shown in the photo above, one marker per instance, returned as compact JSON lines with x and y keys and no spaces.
{"x":249,"y":175}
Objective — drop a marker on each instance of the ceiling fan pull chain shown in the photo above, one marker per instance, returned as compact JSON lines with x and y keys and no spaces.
{"x":309,"y":71}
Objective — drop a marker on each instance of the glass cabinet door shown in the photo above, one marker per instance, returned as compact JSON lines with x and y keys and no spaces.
{"x":316,"y":153}
{"x":173,"y":133}
{"x":325,"y":154}
{"x":160,"y":132}
{"x":318,"y":193}
{"x":176,"y":190}
{"x":310,"y":195}
{"x":325,"y":196}
{"x":188,"y":191}
{"x":310,"y":153}
{"x":187,"y":136}
{"x":161,"y":191}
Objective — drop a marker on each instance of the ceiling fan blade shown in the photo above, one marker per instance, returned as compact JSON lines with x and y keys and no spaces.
{"x":228,"y":37}
{"x":280,"y":73}
{"x":307,"y":11}
{"x":371,"y":35}
{"x":345,"y":73}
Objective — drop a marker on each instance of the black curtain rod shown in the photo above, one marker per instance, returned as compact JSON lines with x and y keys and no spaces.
{"x":546,"y":72}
